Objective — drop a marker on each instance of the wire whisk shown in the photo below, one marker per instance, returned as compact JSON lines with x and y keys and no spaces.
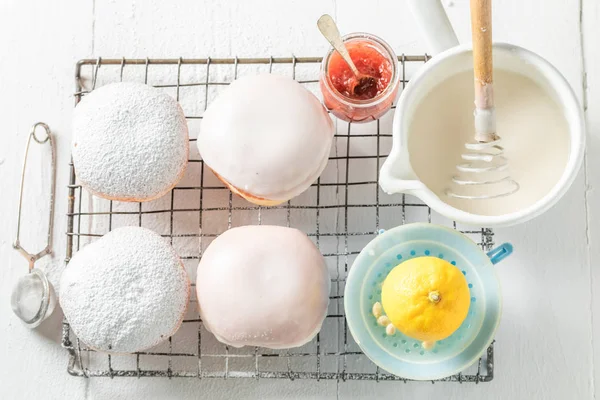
{"x":485,"y":170}
{"x":484,"y":158}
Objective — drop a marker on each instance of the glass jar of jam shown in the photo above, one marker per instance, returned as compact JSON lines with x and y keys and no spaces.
{"x":372,"y":56}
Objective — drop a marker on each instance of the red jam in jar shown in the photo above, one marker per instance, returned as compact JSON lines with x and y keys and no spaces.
{"x":372,"y":57}
{"x":368,"y":61}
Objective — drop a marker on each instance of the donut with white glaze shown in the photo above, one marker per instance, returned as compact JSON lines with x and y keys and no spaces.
{"x":266,"y":137}
{"x":130,"y":142}
{"x":264,"y":286}
{"x":125,"y":292}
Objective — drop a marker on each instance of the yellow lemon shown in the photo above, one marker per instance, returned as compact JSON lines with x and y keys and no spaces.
{"x":426,"y":298}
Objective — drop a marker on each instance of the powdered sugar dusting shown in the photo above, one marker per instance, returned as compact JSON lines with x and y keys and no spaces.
{"x":130,"y":142}
{"x":126,"y":292}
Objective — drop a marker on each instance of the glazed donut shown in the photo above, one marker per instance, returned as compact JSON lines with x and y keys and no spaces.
{"x":266,"y":137}
{"x":263,"y":286}
{"x":125,"y":292}
{"x":130,"y":142}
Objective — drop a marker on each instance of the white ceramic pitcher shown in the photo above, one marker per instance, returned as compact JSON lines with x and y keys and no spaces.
{"x":450,"y":58}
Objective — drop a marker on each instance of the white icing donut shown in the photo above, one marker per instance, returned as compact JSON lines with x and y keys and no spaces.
{"x":125,"y":292}
{"x":263,"y":286}
{"x":267,"y":137}
{"x":130,"y":142}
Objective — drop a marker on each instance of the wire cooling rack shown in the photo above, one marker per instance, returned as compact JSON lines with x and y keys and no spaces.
{"x":341,"y":212}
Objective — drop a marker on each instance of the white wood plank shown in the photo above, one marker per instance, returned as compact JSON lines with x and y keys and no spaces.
{"x":591,"y":56}
{"x":544,"y":345}
{"x":215,"y":28}
{"x":210,"y":389}
{"x":40,"y":43}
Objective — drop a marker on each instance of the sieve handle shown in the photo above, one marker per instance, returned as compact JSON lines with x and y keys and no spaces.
{"x":45,"y":138}
{"x":500,"y":253}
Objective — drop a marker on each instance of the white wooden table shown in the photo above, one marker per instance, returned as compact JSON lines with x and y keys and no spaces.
{"x":548,"y":341}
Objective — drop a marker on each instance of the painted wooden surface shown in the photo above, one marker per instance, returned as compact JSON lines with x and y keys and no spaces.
{"x":548,"y":341}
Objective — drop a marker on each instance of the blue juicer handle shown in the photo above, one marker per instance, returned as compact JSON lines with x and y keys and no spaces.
{"x":500,"y":253}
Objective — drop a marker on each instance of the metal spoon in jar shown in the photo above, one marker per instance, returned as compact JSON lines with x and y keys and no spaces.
{"x":330,"y":31}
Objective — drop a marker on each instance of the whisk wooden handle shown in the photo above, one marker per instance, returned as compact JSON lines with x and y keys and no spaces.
{"x":481,"y":29}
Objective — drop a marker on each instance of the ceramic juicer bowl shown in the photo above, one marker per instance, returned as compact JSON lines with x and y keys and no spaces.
{"x":400,"y":354}
{"x":397,"y":173}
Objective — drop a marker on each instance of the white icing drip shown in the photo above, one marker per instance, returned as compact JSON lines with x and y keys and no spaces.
{"x":125,"y":292}
{"x":130,"y":142}
{"x":268,"y":134}
{"x":263,"y":286}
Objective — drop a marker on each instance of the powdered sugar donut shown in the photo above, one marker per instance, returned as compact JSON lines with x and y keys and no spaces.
{"x":130,"y":142}
{"x":125,"y":292}
{"x":266,"y":137}
{"x":263,"y":286}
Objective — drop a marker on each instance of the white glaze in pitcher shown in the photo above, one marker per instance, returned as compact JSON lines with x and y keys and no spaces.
{"x":397,"y":173}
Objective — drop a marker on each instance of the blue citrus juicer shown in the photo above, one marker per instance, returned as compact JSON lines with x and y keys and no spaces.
{"x":398,"y":353}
